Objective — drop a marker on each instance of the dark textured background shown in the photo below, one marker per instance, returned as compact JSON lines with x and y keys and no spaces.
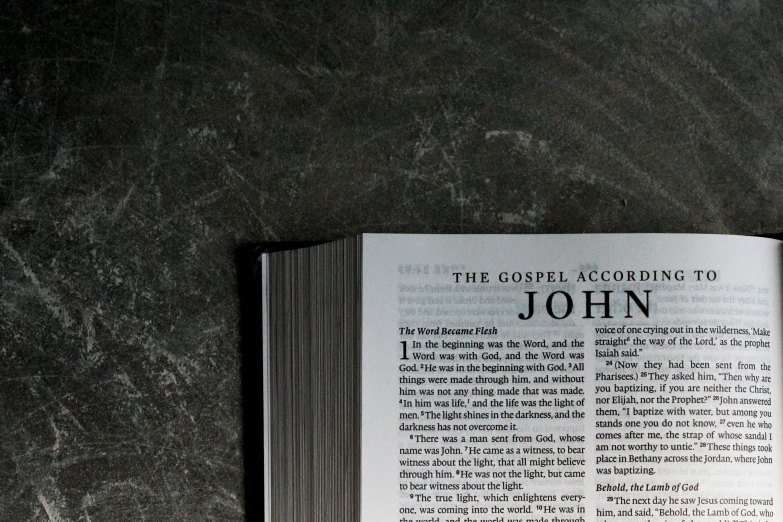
{"x":142,"y":142}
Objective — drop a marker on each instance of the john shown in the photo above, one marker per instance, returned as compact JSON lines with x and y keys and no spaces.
{"x":560,"y":304}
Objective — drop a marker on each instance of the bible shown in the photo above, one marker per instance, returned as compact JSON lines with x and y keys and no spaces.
{"x":523,"y":378}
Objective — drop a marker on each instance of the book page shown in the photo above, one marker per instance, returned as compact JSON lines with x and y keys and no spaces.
{"x":561,"y":378}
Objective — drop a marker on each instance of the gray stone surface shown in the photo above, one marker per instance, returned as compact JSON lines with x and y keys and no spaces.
{"x":143,"y":141}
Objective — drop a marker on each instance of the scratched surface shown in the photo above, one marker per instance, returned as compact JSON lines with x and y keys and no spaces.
{"x":142,"y":141}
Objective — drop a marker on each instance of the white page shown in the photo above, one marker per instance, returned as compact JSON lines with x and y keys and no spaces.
{"x":397,"y":269}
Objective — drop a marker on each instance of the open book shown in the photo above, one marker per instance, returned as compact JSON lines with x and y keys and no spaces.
{"x":499,"y":378}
